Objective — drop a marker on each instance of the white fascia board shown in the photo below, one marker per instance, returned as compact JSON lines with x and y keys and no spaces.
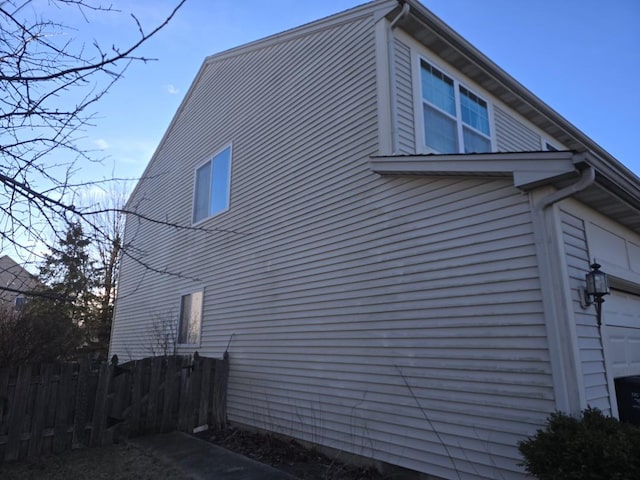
{"x":376,"y":10}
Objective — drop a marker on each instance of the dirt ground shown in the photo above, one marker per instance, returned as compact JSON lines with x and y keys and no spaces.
{"x":115,"y":462}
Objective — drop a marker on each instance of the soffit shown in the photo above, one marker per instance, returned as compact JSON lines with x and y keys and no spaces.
{"x":611,"y":204}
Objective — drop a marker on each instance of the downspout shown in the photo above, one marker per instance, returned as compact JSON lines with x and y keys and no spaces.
{"x":392,"y":74}
{"x":587,"y":177}
{"x":564,"y":357}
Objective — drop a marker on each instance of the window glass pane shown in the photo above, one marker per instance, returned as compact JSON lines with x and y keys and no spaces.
{"x":220,"y":182}
{"x":440,"y":131}
{"x":201,"y":198}
{"x":474,"y":111}
{"x":437,"y":89}
{"x":474,"y":142}
{"x":190,"y":318}
{"x":195,"y":318}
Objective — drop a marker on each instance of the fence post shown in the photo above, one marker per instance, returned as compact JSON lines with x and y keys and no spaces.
{"x":220,"y":392}
{"x":205,"y":393}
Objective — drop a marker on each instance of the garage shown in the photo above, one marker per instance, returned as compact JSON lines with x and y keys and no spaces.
{"x":621,"y":319}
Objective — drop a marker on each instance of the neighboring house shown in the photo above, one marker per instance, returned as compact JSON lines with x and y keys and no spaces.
{"x":15,"y":283}
{"x":381,"y":290}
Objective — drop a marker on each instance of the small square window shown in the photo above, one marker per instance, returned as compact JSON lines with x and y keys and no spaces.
{"x":212,"y":186}
{"x":190,"y":318}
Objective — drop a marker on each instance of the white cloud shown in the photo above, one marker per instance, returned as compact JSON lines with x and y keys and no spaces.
{"x":172,"y":89}
{"x":101,"y":143}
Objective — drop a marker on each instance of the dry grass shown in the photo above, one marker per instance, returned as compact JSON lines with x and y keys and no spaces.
{"x":114,"y":462}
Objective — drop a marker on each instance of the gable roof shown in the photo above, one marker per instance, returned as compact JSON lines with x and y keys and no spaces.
{"x":14,"y":279}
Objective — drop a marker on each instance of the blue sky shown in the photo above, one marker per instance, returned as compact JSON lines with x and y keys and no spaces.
{"x":582,"y":57}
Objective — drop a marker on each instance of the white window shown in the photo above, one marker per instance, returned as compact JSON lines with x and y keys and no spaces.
{"x":190,"y":318}
{"x":213,"y":179}
{"x":455,"y":120}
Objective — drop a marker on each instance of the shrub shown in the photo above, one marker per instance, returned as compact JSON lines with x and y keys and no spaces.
{"x":591,"y":447}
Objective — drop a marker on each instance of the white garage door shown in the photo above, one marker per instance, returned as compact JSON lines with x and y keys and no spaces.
{"x":621,"y":316}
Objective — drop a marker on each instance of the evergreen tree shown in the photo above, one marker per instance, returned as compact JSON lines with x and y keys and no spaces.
{"x":70,"y":278}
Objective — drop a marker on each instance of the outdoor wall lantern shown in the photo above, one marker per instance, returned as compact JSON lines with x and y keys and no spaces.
{"x":597,"y":287}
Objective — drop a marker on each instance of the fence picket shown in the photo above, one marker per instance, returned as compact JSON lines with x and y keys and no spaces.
{"x":99,"y":413}
{"x":4,"y":392}
{"x":65,"y":395}
{"x":82,"y":403}
{"x":154,"y":389}
{"x":39,"y":411}
{"x":204,"y":393}
{"x":167,"y":422}
{"x":17,"y":411}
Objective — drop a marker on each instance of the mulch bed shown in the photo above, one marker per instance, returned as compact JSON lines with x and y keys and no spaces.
{"x":288,"y":455}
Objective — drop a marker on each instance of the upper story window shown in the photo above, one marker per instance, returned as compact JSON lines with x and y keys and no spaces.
{"x":454,"y":118}
{"x":213,"y":180}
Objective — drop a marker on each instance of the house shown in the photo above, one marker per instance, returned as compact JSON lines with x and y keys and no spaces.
{"x":390,"y":236}
{"x":15,"y":282}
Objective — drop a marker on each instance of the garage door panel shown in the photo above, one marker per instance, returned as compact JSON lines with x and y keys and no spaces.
{"x":622,"y":309}
{"x":622,"y":332}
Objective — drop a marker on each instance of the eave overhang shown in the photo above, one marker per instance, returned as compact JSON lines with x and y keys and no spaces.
{"x":615,"y":193}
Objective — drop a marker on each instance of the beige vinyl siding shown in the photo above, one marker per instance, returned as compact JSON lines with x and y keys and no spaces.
{"x":589,"y":342}
{"x":512,"y":135}
{"x":271,"y":118}
{"x":407,"y":284}
{"x":404,"y":98}
{"x":353,"y":305}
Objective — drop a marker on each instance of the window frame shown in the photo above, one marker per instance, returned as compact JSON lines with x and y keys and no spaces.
{"x":210,"y":159}
{"x":419,"y":102}
{"x":183,"y":294}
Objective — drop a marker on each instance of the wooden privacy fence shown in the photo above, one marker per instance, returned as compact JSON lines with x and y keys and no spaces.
{"x":55,"y":407}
